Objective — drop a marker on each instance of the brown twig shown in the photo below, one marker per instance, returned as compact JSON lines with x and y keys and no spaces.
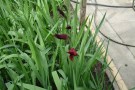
{"x":83,"y":11}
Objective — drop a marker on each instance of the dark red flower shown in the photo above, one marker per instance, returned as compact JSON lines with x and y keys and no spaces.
{"x":72,"y":53}
{"x":61,"y":36}
{"x":68,"y":27}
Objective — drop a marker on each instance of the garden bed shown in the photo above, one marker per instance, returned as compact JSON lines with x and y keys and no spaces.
{"x":43,"y":47}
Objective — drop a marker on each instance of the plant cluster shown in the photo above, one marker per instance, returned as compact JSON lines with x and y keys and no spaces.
{"x":43,"y":47}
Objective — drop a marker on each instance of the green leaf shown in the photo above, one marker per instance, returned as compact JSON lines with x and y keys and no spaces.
{"x":9,"y":57}
{"x":99,"y":26}
{"x":54,"y":28}
{"x":10,"y":86}
{"x":57,"y":80}
{"x":74,"y":81}
{"x":62,"y":73}
{"x":30,"y":87}
{"x":54,"y":58}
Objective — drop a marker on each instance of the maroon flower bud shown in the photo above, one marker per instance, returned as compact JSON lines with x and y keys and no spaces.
{"x":71,"y":57}
{"x":61,"y":12}
{"x":68,"y":27}
{"x":61,"y":36}
{"x":72,"y":53}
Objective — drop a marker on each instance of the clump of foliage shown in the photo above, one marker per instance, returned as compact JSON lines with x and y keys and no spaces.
{"x":42,"y":49}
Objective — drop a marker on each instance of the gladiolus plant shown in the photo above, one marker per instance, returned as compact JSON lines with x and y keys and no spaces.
{"x":42,"y":49}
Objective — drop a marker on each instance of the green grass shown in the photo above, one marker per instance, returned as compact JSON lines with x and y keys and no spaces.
{"x":32,"y":58}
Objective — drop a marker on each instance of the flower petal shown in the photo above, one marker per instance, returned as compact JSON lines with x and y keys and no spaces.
{"x":71,"y":57}
{"x":72,"y":53}
{"x":61,"y":36}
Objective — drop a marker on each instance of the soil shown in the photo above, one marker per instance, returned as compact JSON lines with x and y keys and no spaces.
{"x":108,"y":85}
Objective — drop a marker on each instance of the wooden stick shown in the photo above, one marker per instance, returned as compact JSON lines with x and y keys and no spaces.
{"x":82,"y":11}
